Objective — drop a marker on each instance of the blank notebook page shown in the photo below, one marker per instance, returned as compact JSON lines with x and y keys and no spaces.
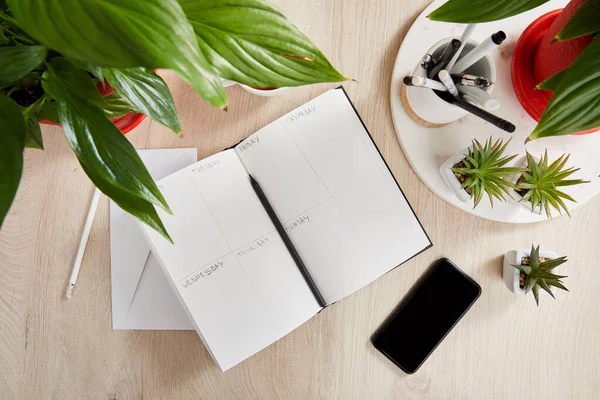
{"x":335,"y":196}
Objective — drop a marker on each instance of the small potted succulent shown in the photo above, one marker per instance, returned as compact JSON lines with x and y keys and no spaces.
{"x":528,"y":271}
{"x":480,"y":169}
{"x":537,"y":187}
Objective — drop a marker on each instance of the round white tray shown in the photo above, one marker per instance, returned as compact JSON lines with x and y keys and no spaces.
{"x":428,"y":148}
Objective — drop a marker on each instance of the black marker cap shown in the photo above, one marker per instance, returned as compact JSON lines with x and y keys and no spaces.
{"x":498,"y":37}
{"x":507,"y":126}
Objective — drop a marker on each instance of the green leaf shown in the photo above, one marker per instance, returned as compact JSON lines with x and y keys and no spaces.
{"x":18,"y":61}
{"x":33,"y":138}
{"x":545,"y":286}
{"x":139,"y":208}
{"x":252,"y":42}
{"x":113,"y":105}
{"x":92,"y":69}
{"x":575,"y":105}
{"x":584,"y":22}
{"x":122,"y":34}
{"x":552,"y":82}
{"x":12,"y":143}
{"x":536,"y":294}
{"x":49,"y":111}
{"x":105,"y":154}
{"x":116,"y":106}
{"x":72,"y":79}
{"x":146,"y":92}
{"x":472,"y":11}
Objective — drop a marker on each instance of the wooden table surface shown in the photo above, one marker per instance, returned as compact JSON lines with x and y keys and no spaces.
{"x":505,"y":347}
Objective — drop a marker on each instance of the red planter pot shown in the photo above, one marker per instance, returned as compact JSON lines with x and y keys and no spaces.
{"x":125,"y":123}
{"x":535,"y":58}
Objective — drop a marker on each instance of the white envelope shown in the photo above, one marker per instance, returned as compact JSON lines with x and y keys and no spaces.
{"x":141,"y":296}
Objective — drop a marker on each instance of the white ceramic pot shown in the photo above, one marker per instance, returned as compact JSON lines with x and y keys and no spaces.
{"x":451,"y":181}
{"x":263,"y":92}
{"x":511,"y":274}
{"x":429,"y":106}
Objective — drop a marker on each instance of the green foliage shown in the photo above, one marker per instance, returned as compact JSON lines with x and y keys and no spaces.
{"x":114,"y":33}
{"x":12,"y":143}
{"x":33,"y":137}
{"x":472,"y":11}
{"x":108,"y":158}
{"x":574,"y":106}
{"x":147,"y":92}
{"x":584,"y":22}
{"x":266,"y":50}
{"x":484,"y":171}
{"x":539,"y":275}
{"x":53,"y":52}
{"x":18,"y":61}
{"x":541,"y":181}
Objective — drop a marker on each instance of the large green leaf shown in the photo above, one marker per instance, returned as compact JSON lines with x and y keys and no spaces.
{"x":551,"y":83}
{"x":122,"y":34}
{"x":18,"y":61}
{"x":147,"y":93}
{"x":108,"y":158}
{"x":251,"y":42}
{"x":12,"y":142}
{"x":585,"y":21}
{"x":575,"y":105}
{"x":472,"y":11}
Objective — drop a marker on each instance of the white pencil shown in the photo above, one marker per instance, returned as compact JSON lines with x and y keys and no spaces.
{"x":82,"y":244}
{"x":463,"y":41}
{"x":447,"y":81}
{"x":478,"y":52}
{"x":419,"y":81}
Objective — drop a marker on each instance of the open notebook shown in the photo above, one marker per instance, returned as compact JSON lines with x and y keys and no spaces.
{"x":337,"y":200}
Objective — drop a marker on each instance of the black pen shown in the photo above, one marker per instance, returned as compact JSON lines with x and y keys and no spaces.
{"x":446,"y":56}
{"x":478,"y":112}
{"x":287,"y":241}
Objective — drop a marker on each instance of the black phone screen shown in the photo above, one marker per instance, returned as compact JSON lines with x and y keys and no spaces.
{"x":426,"y":316}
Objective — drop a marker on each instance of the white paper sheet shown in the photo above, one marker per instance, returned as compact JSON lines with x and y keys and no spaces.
{"x":141,"y":296}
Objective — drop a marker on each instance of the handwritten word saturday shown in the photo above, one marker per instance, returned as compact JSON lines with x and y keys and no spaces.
{"x":296,"y":115}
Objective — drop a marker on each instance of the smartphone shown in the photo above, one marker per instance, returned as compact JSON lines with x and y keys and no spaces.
{"x":426,"y":315}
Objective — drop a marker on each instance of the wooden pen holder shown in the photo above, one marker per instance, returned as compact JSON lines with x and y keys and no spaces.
{"x":425,"y":107}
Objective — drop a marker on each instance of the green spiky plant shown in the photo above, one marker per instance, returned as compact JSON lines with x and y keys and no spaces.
{"x":483,"y":171}
{"x":538,"y":274}
{"x":540,"y":184}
